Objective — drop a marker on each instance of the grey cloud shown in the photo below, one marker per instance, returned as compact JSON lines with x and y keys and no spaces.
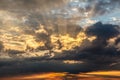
{"x":29,"y":4}
{"x":95,"y":55}
{"x":98,"y":29}
{"x":17,"y":67}
{"x":96,"y":52}
{"x":117,"y":41}
{"x":1,"y":46}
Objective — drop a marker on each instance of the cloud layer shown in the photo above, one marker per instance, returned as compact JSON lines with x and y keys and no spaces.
{"x":40,"y":35}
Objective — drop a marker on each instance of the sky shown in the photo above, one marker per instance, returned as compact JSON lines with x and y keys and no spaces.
{"x":59,"y":36}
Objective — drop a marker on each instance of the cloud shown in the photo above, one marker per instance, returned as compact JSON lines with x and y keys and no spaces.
{"x":95,"y":55}
{"x":18,"y":67}
{"x":13,"y":53}
{"x":96,"y":52}
{"x":1,"y":46}
{"x":117,"y":41}
{"x":29,"y":4}
{"x":104,"y":31}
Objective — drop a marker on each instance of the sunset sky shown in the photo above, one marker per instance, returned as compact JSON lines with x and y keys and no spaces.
{"x":59,"y":37}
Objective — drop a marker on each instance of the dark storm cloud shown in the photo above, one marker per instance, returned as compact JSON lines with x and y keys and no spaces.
{"x":97,"y":52}
{"x":95,"y":56}
{"x":117,"y":41}
{"x":18,"y":67}
{"x":104,"y":31}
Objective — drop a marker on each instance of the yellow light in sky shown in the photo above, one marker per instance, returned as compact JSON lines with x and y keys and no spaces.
{"x":15,"y":39}
{"x":100,"y":75}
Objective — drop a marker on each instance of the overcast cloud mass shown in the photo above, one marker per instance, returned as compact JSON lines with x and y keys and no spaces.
{"x":59,"y":36}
